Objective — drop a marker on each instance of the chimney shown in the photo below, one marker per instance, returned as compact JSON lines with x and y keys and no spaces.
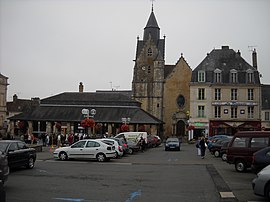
{"x":81,"y":87}
{"x":254,"y":58}
{"x":15,"y":98}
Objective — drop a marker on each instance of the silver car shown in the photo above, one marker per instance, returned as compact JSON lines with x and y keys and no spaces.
{"x":261,"y":184}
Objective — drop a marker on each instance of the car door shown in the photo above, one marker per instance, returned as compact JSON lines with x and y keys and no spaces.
{"x":14,"y":156}
{"x":92,"y":148}
{"x":76,"y":150}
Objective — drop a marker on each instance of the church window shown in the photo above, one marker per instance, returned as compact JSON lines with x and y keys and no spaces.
{"x":149,"y":69}
{"x":201,"y":76}
{"x":149,"y":52}
{"x":181,"y":101}
{"x":157,"y":105}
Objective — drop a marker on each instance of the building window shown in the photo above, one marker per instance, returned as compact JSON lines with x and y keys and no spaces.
{"x":201,"y":111}
{"x":201,"y":76}
{"x":250,"y":94}
{"x":217,"y":94}
{"x":149,"y":69}
{"x":217,"y":112}
{"x":233,"y":94}
{"x":233,"y":112}
{"x":250,"y":112}
{"x":266,"y":116}
{"x":149,"y":52}
{"x":217,"y":76}
{"x":233,"y":76}
{"x":201,"y":94}
{"x":250,"y":76}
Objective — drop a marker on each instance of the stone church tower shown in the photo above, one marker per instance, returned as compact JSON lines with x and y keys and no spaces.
{"x":159,"y":87}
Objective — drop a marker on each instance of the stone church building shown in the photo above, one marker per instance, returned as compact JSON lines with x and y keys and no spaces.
{"x":162,"y":89}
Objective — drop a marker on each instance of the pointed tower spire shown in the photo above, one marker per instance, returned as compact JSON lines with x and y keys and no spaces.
{"x":152,"y":27}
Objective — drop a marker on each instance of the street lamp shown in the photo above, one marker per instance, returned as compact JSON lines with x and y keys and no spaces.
{"x":125,"y":121}
{"x":88,"y":122}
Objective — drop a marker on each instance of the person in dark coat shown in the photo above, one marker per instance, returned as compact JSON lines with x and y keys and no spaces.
{"x":202,"y":146}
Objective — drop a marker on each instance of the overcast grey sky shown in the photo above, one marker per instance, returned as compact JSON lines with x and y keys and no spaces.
{"x":49,"y":46}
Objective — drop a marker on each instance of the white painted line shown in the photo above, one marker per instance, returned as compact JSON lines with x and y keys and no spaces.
{"x":226,"y":195}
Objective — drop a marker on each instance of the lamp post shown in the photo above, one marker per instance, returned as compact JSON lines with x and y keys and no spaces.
{"x":88,"y":122}
{"x":125,"y":121}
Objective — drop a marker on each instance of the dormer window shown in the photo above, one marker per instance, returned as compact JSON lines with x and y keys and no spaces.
{"x":233,"y":76}
{"x":250,"y":76}
{"x":217,"y":76}
{"x":201,"y":76}
{"x":149,"y":52}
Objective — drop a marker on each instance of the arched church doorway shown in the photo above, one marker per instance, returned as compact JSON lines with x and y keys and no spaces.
{"x":180,"y":128}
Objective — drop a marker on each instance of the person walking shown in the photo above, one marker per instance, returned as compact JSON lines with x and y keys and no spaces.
{"x":198,"y":146}
{"x":202,"y":147}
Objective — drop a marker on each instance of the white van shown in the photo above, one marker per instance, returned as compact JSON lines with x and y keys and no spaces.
{"x":135,"y":136}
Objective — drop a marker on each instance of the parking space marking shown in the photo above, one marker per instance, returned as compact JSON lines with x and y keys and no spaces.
{"x":226,"y":195}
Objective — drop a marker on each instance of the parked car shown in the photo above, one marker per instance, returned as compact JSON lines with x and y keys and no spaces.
{"x":135,"y":136}
{"x":242,"y":147}
{"x":223,"y":151}
{"x":214,"y":139}
{"x":4,"y":169}
{"x":18,"y":153}
{"x":260,"y":159}
{"x":216,"y":146}
{"x":122,"y":143}
{"x":118,"y":147}
{"x":151,"y":141}
{"x":157,"y":140}
{"x":261,"y":183}
{"x":86,"y":149}
{"x":133,"y":146}
{"x":172,"y":143}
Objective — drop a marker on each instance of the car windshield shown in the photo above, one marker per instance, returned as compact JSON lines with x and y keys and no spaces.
{"x":3,"y":146}
{"x":172,"y":140}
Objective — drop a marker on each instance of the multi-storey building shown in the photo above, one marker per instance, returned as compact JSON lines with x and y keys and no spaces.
{"x":265,"y":110}
{"x":163,"y":90}
{"x":3,"y":101}
{"x":225,"y":94}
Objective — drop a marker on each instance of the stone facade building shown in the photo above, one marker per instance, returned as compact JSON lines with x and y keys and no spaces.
{"x":163,"y":90}
{"x":3,"y":101}
{"x":225,"y":94}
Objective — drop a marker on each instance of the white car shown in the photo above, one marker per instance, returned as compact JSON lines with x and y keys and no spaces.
{"x":118,"y":148}
{"x":261,"y":184}
{"x":86,"y":149}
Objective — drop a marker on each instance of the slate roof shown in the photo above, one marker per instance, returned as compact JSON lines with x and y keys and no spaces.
{"x":110,"y":107}
{"x":224,"y":59}
{"x":265,"y":97}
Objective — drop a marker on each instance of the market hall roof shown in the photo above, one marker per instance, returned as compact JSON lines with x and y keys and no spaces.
{"x":110,"y":107}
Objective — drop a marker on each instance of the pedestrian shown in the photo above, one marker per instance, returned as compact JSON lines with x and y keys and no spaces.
{"x":202,"y":147}
{"x":198,"y":147}
{"x":142,"y":144}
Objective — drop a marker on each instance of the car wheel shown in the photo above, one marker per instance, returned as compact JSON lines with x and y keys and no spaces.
{"x":240,"y":166}
{"x":130,"y":151}
{"x":30,"y":163}
{"x":224,"y":157}
{"x":63,"y":156}
{"x":216,"y":153}
{"x":101,"y":157}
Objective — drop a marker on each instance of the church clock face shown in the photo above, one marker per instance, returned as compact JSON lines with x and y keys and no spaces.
{"x":181,"y":101}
